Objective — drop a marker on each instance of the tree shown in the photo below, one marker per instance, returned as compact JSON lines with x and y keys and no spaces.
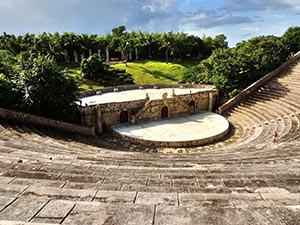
{"x":94,"y":69}
{"x":220,"y":41}
{"x":291,"y":39}
{"x":45,"y":89}
{"x":167,"y":42}
{"x":148,"y":39}
{"x":231,"y":70}
{"x":119,"y":31}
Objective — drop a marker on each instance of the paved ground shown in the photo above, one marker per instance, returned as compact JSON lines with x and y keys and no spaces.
{"x":199,"y":127}
{"x":136,"y":94}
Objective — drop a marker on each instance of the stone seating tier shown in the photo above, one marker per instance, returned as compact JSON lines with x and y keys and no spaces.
{"x":51,"y":177}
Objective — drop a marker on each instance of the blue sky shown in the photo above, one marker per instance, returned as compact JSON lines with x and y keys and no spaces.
{"x":237,"y":19}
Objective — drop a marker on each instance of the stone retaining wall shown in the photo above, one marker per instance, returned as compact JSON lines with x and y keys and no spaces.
{"x":253,"y":87}
{"x":144,"y":86}
{"x":33,"y":119}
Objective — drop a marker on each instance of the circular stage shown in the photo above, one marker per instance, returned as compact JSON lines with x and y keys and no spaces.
{"x":185,"y":131}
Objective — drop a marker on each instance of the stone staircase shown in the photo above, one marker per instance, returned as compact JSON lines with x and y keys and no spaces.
{"x":50,"y":177}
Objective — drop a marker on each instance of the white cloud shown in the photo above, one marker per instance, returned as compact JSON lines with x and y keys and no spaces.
{"x":250,"y":28}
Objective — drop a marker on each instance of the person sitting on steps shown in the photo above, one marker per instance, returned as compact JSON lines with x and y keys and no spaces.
{"x":274,"y":139}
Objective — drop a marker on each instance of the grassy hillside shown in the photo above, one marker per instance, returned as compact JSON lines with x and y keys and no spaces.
{"x":156,"y":72}
{"x":84,"y":84}
{"x":147,"y":72}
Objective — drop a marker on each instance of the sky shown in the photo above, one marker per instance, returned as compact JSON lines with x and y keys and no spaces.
{"x":238,"y":20}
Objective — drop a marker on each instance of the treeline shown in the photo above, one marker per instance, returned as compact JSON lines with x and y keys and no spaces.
{"x":232,"y":69}
{"x":70,"y":47}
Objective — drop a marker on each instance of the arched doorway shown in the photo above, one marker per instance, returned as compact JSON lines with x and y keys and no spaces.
{"x":192,"y":106}
{"x":124,"y":116}
{"x":165,"y":112}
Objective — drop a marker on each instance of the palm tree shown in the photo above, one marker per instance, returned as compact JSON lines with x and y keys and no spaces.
{"x":167,"y":41}
{"x":148,"y":38}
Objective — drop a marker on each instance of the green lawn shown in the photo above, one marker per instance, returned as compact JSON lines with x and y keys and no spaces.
{"x":147,"y":72}
{"x":84,"y":84}
{"x":156,"y":72}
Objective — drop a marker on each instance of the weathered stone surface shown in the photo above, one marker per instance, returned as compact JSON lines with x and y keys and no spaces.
{"x":80,"y":178}
{"x":11,"y":190}
{"x":32,"y":175}
{"x":218,"y":200}
{"x":281,"y":199}
{"x":59,"y":193}
{"x":167,"y":215}
{"x":6,"y":180}
{"x":115,"y":197}
{"x":54,"y":211}
{"x":6,"y":222}
{"x":94,"y":186}
{"x":102,"y":213}
{"x":157,"y":198}
{"x":5,"y":201}
{"x":159,"y":182}
{"x":23,"y":209}
{"x":42,"y":221}
{"x":38,"y":182}
{"x":122,"y":181}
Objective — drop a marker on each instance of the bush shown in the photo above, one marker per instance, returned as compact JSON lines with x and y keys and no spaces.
{"x":95,"y":70}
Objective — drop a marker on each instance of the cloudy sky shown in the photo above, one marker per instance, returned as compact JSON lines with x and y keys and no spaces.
{"x":237,"y":19}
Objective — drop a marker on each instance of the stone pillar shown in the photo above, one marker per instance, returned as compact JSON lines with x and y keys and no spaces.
{"x":130,"y":56}
{"x":90,"y":52}
{"x":99,"y":127}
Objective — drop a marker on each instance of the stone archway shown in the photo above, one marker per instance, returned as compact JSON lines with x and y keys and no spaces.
{"x":124,"y":116}
{"x":165,"y":112}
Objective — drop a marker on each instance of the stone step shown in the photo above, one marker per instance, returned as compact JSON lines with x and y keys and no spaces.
{"x":157,"y":208}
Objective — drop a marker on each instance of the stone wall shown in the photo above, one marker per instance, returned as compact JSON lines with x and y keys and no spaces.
{"x":104,"y":115}
{"x":249,"y":90}
{"x":33,"y":119}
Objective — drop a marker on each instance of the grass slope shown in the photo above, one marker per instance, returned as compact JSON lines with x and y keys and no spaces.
{"x":156,"y":72}
{"x":147,"y":72}
{"x":84,"y":84}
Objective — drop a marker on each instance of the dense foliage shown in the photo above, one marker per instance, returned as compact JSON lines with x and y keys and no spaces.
{"x":94,"y":69}
{"x":232,"y":70}
{"x":70,"y":47}
{"x":35,"y":84}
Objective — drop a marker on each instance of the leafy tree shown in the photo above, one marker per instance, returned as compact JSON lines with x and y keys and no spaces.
{"x":119,"y":31}
{"x":45,"y":89}
{"x":93,"y":68}
{"x":167,"y":43}
{"x":9,"y":96}
{"x":96,"y":70}
{"x":220,"y":42}
{"x":291,"y":39}
{"x":231,"y":70}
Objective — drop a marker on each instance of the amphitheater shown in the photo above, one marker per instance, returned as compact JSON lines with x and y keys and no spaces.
{"x":53,"y":177}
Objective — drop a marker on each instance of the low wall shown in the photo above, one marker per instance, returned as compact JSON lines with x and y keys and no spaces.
{"x":144,"y":86}
{"x":253,"y":87}
{"x":33,"y":119}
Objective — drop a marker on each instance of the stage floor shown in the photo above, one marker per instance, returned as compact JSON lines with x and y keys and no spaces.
{"x":190,"y":130}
